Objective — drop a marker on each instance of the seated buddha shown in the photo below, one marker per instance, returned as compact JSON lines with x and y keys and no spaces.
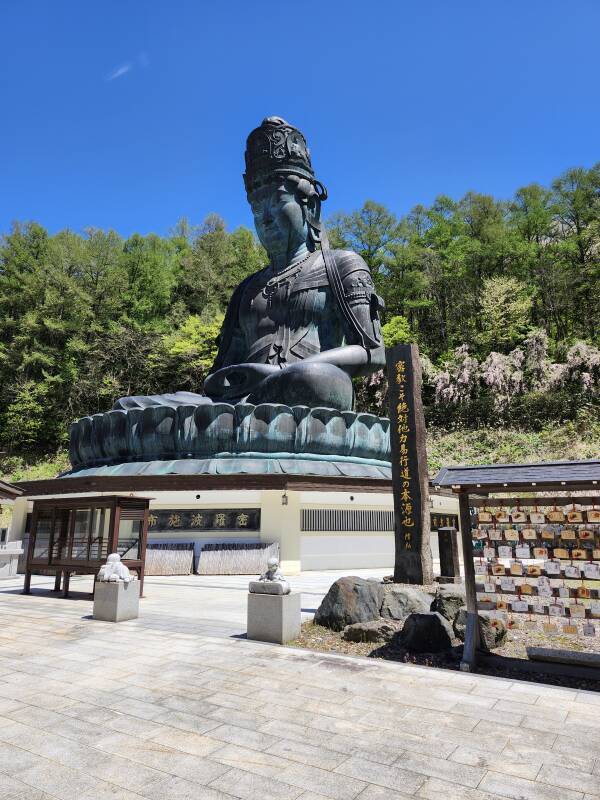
{"x":299,"y":330}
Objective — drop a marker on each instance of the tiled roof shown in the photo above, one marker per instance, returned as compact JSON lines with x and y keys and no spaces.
{"x":554,"y":474}
{"x":8,"y":490}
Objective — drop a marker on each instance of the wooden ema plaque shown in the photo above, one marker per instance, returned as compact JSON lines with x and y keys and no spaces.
{"x":413,"y":562}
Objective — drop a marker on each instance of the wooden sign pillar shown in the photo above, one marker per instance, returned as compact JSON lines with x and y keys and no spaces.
{"x":413,"y":561}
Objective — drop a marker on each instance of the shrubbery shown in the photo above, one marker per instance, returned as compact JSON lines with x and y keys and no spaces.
{"x":523,"y":388}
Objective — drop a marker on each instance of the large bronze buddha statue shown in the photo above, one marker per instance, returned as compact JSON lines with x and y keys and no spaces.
{"x":279,"y":396}
{"x":297,"y":331}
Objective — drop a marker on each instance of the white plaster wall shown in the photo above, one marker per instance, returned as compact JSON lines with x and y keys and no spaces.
{"x":19,"y":518}
{"x":280,"y":522}
{"x":441,"y":504}
{"x":357,"y":549}
{"x":381,"y":500}
{"x":346,"y":550}
{"x":230,"y":498}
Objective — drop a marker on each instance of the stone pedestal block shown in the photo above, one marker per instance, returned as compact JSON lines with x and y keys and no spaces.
{"x":116,"y":601}
{"x":274,"y":618}
{"x":9,"y":560}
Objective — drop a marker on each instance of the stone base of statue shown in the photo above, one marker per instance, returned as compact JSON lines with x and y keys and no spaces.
{"x":269,"y":587}
{"x":274,"y":617}
{"x":116,"y":601}
{"x":223,"y":439}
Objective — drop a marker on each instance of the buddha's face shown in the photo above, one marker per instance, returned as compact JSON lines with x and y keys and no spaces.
{"x":279,"y":218}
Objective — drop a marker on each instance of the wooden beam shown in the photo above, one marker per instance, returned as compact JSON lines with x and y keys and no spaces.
{"x":148,"y":483}
{"x":560,"y":500}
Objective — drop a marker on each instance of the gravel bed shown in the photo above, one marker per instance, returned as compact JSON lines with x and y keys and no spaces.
{"x":519,"y":638}
{"x":315,"y":637}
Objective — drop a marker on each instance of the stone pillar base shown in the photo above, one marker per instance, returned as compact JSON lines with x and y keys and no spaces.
{"x":274,"y":618}
{"x":9,"y":561}
{"x":116,"y":601}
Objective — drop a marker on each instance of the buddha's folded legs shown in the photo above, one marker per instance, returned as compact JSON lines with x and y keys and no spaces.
{"x":306,"y":383}
{"x":301,"y":384}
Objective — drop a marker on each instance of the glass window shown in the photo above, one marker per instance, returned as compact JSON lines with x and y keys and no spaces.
{"x":130,"y":534}
{"x":81,"y":529}
{"x":60,"y":540}
{"x":42,"y":536}
{"x":100,"y":537}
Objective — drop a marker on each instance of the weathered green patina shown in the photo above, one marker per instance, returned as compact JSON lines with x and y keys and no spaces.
{"x":294,"y":336}
{"x":218,"y":438}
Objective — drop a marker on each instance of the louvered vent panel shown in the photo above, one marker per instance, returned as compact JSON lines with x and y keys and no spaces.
{"x":327,"y":519}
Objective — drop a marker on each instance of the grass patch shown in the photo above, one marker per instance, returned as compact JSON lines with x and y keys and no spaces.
{"x":571,"y":441}
{"x":17,"y":468}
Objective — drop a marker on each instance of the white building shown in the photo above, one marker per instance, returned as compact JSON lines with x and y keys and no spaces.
{"x":319,"y":523}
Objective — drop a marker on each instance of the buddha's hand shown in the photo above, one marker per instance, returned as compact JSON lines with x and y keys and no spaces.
{"x":237,"y":381}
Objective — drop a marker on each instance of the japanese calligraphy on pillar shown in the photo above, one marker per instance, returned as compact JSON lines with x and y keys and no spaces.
{"x":413,"y":563}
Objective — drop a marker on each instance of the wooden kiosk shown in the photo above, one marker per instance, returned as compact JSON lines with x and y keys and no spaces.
{"x":552,"y":537}
{"x":75,"y":536}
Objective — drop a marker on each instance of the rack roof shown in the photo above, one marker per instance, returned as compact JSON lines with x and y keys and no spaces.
{"x":7,"y":490}
{"x":539,"y":477}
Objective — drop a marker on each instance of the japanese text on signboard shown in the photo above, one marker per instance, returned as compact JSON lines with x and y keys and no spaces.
{"x":404,"y":432}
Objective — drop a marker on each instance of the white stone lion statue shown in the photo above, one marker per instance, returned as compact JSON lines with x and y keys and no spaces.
{"x":114,"y":570}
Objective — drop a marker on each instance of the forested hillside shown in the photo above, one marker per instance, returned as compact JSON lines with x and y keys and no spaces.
{"x":503,"y":298}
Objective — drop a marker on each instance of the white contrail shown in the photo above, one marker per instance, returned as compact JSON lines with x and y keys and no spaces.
{"x":119,"y":72}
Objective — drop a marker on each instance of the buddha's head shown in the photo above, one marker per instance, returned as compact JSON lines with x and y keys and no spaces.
{"x":282,"y":190}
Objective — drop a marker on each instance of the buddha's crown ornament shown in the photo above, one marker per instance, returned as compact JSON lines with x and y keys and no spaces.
{"x":276,"y":147}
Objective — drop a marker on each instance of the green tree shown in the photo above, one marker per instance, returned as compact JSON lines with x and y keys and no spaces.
{"x":184,"y":357}
{"x":371,"y":232}
{"x":87,"y":318}
{"x":218,"y":261}
{"x":397,"y":331}
{"x":577,"y":198}
{"x":150,"y":266}
{"x":505,"y":314}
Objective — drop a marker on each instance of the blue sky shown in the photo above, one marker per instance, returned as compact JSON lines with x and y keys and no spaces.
{"x":130,"y":115}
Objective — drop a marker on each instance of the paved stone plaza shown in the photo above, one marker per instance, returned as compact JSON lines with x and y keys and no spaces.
{"x":177,"y":705}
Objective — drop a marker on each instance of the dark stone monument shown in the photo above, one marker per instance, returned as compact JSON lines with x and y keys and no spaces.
{"x":413,"y":561}
{"x":279,"y":396}
{"x":449,"y":558}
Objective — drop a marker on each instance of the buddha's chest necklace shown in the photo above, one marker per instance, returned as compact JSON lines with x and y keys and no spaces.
{"x":282,"y":279}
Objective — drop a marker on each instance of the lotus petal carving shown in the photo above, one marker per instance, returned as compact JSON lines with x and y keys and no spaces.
{"x":220,"y":430}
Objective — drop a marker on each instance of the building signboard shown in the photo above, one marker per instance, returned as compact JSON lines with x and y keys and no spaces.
{"x":203,"y":519}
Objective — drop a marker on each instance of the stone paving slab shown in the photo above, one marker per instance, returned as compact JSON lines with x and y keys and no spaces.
{"x":176,"y":705}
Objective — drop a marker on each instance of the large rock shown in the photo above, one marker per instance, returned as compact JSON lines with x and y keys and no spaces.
{"x":493,"y":630}
{"x":448,"y":601}
{"x":427,"y":632}
{"x":400,"y":601}
{"x":350,"y":600}
{"x":379,"y":630}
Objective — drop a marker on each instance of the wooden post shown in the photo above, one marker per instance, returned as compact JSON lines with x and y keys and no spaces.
{"x":413,"y":560}
{"x":469,"y":660}
{"x":57,"y":582}
{"x":30,"y":550}
{"x":142,"y":551}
